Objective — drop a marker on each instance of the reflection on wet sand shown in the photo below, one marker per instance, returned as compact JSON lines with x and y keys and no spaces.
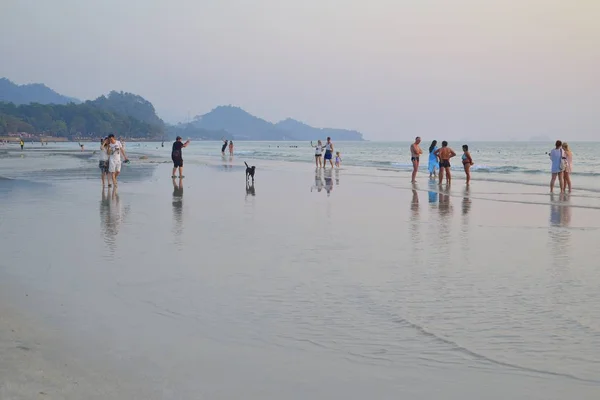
{"x":337,"y":176}
{"x":177,"y":206}
{"x":318,"y":186}
{"x":433,"y":192}
{"x":328,"y":181}
{"x":111,"y":216}
{"x":560,"y":218}
{"x":414,"y":203}
{"x":445,"y":210}
{"x":250,"y":190}
{"x":466,"y":201}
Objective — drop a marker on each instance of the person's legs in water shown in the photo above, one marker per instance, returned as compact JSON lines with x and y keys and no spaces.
{"x":561,"y":182}
{"x":415,"y":163}
{"x":448,"y":175}
{"x":441,"y":174}
{"x":468,"y":172}
{"x":552,"y":182}
{"x":567,"y":177}
{"x":181,"y":171}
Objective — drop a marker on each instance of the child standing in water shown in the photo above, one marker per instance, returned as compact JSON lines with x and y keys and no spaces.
{"x":338,"y":159}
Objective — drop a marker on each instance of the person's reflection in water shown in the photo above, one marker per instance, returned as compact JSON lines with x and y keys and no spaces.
{"x":337,"y":176}
{"x":178,"y":206}
{"x":433,"y":192}
{"x":111,"y":214}
{"x":318,"y":181}
{"x":559,"y":234}
{"x":414,"y":204}
{"x":328,"y":181}
{"x":466,"y":201}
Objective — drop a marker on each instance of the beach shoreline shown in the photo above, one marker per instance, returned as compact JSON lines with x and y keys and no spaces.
{"x":312,"y":283}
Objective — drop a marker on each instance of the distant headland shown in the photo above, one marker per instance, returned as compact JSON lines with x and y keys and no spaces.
{"x":37,"y":112}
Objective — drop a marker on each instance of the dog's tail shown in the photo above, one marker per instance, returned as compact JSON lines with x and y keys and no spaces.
{"x":246,"y":164}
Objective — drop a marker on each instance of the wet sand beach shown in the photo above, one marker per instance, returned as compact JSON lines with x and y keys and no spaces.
{"x":339,"y":284}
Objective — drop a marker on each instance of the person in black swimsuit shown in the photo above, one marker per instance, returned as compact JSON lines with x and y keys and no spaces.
{"x":177,"y":157}
{"x":445,"y":153}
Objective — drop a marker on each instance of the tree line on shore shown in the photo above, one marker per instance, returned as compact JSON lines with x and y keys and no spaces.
{"x":125,"y":113}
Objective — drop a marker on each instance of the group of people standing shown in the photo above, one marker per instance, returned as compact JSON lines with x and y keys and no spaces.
{"x":439,"y":159}
{"x":227,"y":143}
{"x":561,"y":158}
{"x":320,"y":159}
{"x":110,"y":161}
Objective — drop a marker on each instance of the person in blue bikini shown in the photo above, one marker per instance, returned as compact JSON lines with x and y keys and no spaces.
{"x":433,"y":160}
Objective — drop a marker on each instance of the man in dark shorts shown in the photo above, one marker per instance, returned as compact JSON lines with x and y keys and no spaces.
{"x":177,"y":157}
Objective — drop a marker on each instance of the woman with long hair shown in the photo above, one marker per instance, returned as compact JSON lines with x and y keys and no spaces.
{"x":433,"y":159}
{"x":568,"y":154}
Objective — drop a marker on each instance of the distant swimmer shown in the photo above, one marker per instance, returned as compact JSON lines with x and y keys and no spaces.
{"x":415,"y":154}
{"x":433,"y":160}
{"x":467,"y":162}
{"x":177,"y":156}
{"x":22,"y":143}
{"x":224,"y":147}
{"x":445,"y":154}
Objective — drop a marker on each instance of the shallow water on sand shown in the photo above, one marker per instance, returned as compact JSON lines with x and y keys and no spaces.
{"x":358,"y":286}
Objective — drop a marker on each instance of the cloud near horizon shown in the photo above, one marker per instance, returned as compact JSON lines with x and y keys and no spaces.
{"x":392,"y":69}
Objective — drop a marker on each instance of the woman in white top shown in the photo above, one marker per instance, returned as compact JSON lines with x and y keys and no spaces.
{"x":318,"y":153}
{"x":556,"y":156}
{"x":567,"y":172}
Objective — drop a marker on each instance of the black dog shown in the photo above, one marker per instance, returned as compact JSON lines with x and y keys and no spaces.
{"x":250,"y":172}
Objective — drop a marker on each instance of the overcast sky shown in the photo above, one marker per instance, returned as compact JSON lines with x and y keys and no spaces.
{"x":393,"y":69}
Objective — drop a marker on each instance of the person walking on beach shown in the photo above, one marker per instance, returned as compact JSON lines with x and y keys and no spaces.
{"x":328,"y":153}
{"x":318,"y":153}
{"x":177,"y":156}
{"x":114,"y":158}
{"x":558,"y":160}
{"x":569,"y":169}
{"x":467,"y":162}
{"x":224,"y":147}
{"x":22,"y":143}
{"x":231,"y":148}
{"x":445,"y":153}
{"x":433,"y":160}
{"x":415,"y":153}
{"x":103,"y":160}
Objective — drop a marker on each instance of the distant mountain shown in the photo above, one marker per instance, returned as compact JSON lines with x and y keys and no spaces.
{"x":129,"y":104}
{"x":31,"y":93}
{"x":302,"y":131}
{"x":240,"y":124}
{"x":243,"y":126}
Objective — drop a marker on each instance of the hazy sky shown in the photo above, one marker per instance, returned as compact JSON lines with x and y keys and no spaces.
{"x":477,"y":69}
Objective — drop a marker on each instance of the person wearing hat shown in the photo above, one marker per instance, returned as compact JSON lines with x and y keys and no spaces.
{"x":177,"y":157}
